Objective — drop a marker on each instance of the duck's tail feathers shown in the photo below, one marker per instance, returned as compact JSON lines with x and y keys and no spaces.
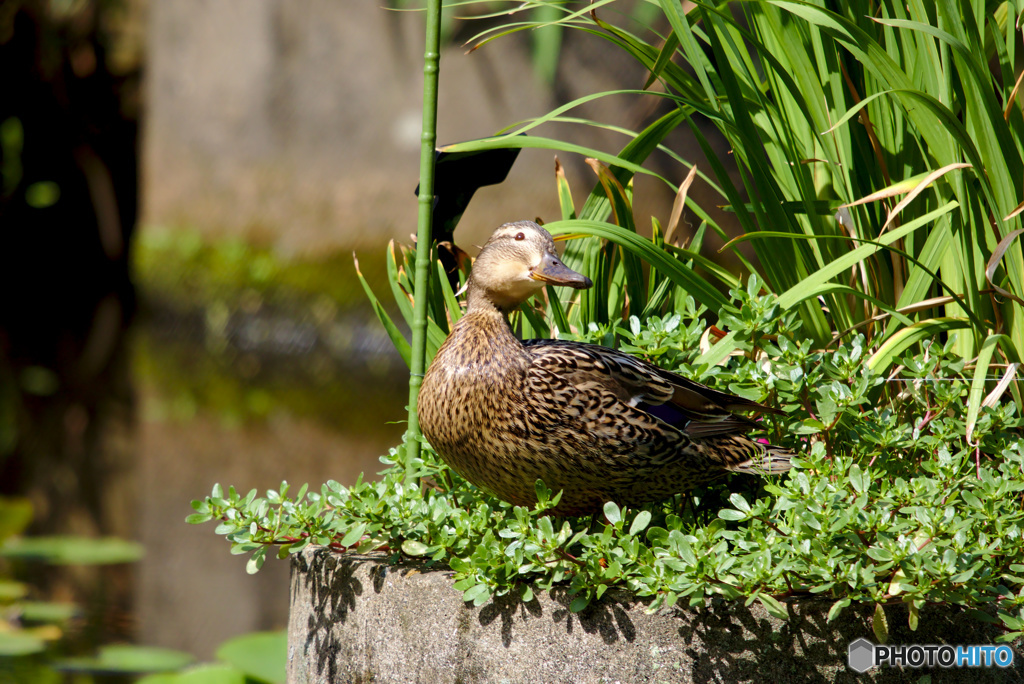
{"x":771,"y":461}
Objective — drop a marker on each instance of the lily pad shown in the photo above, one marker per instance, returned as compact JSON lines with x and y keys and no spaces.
{"x":43,"y":611}
{"x":127,"y":659}
{"x":261,"y":655}
{"x":11,"y":590}
{"x":208,"y":673}
{"x":15,"y":515}
{"x":66,"y":550}
{"x":19,"y":644}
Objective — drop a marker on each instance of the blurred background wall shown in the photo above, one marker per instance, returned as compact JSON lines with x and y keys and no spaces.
{"x":298,"y":123}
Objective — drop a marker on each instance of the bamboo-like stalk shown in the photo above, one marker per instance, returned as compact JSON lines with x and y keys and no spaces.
{"x":431,"y":70}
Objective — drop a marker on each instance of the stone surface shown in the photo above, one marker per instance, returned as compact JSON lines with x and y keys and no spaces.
{"x":358,"y":619}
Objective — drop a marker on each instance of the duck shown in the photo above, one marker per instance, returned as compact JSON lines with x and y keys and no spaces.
{"x":592,"y":422}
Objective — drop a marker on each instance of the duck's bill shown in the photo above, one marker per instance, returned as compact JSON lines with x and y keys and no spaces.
{"x":552,"y":270}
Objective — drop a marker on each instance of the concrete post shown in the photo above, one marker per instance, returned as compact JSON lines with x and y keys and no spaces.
{"x":358,"y":619}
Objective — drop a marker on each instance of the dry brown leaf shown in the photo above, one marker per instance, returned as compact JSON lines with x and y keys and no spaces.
{"x":678,"y":205}
{"x":993,"y":264}
{"x":928,"y":180}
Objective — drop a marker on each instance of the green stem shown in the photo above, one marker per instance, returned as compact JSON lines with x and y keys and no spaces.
{"x":431,"y":68}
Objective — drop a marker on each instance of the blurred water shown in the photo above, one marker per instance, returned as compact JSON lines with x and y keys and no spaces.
{"x":269,"y":398}
{"x":176,"y":405}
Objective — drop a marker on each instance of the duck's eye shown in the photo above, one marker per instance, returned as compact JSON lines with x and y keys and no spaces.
{"x":520,"y":236}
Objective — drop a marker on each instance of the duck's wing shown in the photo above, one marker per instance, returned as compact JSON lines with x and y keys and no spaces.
{"x":689,"y":406}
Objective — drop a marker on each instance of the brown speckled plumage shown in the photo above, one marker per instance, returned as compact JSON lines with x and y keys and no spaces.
{"x":596,"y":423}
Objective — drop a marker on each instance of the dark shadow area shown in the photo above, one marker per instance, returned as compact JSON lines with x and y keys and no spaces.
{"x":68,"y":207}
{"x":608,"y":617}
{"x":508,"y":609}
{"x":728,"y":638}
{"x":331,"y":583}
{"x":67,"y":214}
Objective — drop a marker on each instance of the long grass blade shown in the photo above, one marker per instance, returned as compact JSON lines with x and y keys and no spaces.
{"x":974,"y":397}
{"x":673,"y":269}
{"x":394,"y":334}
{"x":903,"y":339}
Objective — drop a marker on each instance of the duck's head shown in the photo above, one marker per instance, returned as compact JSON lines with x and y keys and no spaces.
{"x":517,"y":261}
